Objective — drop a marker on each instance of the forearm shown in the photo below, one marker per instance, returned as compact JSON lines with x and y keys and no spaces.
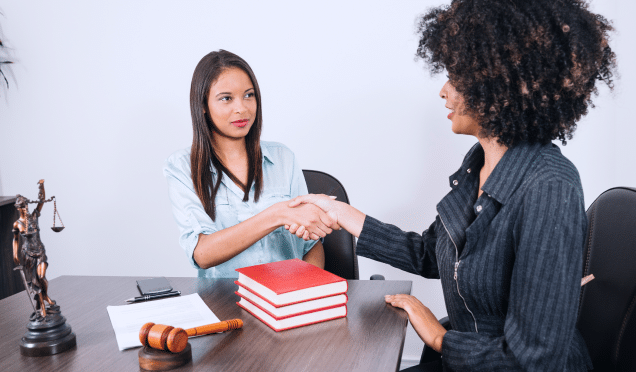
{"x":41,"y":195}
{"x":221,"y":246}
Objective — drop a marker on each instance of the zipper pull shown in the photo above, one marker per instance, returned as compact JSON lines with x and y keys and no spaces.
{"x":456,"y":266}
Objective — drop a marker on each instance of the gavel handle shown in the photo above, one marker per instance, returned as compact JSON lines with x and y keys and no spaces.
{"x":226,"y":325}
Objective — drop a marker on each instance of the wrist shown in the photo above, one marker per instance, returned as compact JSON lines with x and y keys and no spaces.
{"x":277,"y":214}
{"x":438,"y":342}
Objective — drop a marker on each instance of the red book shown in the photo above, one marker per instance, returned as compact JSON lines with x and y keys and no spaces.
{"x":282,"y":312}
{"x":294,"y":321}
{"x":288,"y":282}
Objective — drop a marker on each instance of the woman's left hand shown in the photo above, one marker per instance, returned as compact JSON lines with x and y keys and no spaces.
{"x":422,"y":319}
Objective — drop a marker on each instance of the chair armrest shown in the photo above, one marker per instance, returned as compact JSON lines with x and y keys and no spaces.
{"x":377,"y":277}
{"x":430,"y":355}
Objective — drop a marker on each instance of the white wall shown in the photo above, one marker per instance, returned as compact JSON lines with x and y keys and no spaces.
{"x":100,"y":99}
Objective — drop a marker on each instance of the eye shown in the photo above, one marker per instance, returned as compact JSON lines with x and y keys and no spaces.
{"x":249,"y":95}
{"x":225,"y":99}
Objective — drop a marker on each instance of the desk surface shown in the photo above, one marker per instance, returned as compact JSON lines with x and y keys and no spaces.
{"x":370,"y":338}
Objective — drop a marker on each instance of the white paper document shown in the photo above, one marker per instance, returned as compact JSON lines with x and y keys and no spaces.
{"x":180,"y":312}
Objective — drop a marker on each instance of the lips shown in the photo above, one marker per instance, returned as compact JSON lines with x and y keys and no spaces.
{"x":450,"y":115}
{"x":240,"y":123}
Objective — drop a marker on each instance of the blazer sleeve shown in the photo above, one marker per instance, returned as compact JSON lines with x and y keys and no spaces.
{"x":540,"y":323}
{"x":408,"y":251}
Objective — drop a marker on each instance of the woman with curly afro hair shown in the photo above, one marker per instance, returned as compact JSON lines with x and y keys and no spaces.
{"x":507,"y":242}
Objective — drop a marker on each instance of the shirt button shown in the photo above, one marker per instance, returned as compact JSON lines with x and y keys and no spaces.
{"x":478,"y":208}
{"x":468,"y":170}
{"x":455,"y":182}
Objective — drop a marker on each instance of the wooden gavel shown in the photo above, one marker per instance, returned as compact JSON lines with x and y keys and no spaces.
{"x":163,"y":337}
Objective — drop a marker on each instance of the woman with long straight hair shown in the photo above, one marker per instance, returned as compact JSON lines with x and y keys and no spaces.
{"x":229,"y":191}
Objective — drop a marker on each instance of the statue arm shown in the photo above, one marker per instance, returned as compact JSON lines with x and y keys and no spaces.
{"x":41,"y":196}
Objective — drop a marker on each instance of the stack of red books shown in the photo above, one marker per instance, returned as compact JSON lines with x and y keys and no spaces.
{"x":291,"y":293}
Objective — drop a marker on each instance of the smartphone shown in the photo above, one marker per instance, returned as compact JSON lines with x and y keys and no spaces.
{"x":153,"y":286}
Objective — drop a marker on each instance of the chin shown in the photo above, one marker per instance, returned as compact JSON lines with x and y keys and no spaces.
{"x":457,"y":129}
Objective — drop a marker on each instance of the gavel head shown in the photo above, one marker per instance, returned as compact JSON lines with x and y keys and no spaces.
{"x":163,"y":337}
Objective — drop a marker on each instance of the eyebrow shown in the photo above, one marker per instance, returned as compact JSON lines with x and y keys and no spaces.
{"x":231,"y":93}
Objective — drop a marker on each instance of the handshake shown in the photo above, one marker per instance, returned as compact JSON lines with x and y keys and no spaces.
{"x":312,"y":216}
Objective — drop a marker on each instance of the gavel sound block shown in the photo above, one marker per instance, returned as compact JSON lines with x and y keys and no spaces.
{"x":166,"y":347}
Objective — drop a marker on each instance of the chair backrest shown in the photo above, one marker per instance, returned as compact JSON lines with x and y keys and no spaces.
{"x":340,"y":246}
{"x":607,"y":314}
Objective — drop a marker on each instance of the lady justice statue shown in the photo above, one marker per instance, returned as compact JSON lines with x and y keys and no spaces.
{"x":29,"y":253}
{"x":48,"y":333}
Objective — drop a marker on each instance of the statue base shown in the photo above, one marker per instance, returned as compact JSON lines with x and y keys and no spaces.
{"x":158,"y":360}
{"x":47,"y":336}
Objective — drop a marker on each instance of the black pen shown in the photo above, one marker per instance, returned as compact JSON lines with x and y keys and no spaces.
{"x":153,"y":296}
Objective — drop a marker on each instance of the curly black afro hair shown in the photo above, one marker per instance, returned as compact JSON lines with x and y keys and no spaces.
{"x":525,"y":68}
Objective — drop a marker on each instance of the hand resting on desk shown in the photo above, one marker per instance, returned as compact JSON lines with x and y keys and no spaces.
{"x":422,"y":319}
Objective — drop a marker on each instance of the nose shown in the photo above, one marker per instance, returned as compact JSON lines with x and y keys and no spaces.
{"x":443,"y":93}
{"x":239,"y":107}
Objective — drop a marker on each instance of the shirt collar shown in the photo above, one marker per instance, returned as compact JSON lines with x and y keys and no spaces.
{"x":266,"y":155}
{"x":511,"y":170}
{"x":473,"y":161}
{"x":508,"y":173}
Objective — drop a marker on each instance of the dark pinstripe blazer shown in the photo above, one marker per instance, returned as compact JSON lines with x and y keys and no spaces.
{"x":510,"y":261}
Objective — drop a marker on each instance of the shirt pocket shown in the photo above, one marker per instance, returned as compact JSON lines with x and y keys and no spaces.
{"x":226,"y":213}
{"x":272,"y":196}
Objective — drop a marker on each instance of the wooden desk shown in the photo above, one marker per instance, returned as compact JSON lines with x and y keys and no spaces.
{"x":370,"y":338}
{"x":10,"y":281}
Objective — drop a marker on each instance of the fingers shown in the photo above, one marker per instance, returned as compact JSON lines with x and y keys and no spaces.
{"x":301,"y":230}
{"x":327,"y":220}
{"x":324,"y":229}
{"x":400,"y":297}
{"x":294,"y":203}
{"x":316,"y":221}
{"x":401,"y":300}
{"x":320,"y":229}
{"x":309,"y":198}
{"x":305,"y":235}
{"x":300,"y":200}
{"x":311,"y":219}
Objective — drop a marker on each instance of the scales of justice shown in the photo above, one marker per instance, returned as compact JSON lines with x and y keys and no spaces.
{"x":47,"y":330}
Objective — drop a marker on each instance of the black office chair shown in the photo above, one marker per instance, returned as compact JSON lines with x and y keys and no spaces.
{"x":607,"y":311}
{"x":339,"y":246}
{"x":607,"y":314}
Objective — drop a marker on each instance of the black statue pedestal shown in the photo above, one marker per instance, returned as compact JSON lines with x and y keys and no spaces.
{"x":47,"y":336}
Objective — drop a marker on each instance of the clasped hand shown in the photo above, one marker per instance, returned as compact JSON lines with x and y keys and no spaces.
{"x":320,"y":202}
{"x":307,"y":221}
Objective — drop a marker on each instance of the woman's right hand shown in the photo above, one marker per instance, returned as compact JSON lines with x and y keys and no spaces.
{"x":342,"y":214}
{"x":320,"y":200}
{"x":316,"y":223}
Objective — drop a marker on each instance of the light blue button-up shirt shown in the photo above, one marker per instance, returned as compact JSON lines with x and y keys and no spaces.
{"x":282,"y":180}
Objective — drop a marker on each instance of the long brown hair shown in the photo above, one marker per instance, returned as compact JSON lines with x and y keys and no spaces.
{"x":203,"y":155}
